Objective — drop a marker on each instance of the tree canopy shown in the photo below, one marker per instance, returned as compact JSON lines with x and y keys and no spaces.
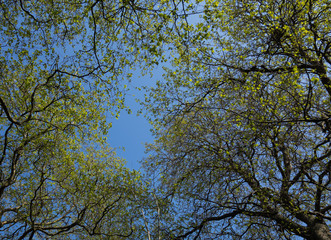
{"x":63,"y":70}
{"x":241,"y":120}
{"x":242,"y":123}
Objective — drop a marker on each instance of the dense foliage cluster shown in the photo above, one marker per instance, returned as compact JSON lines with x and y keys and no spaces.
{"x":242,"y":122}
{"x":63,"y":66}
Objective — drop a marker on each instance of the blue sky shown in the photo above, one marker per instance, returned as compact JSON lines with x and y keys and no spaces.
{"x":129,"y":130}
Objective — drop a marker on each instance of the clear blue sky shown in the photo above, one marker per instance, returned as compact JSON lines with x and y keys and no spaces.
{"x":129,"y":130}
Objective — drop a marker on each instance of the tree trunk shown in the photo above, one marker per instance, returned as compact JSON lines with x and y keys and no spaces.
{"x":320,"y":231}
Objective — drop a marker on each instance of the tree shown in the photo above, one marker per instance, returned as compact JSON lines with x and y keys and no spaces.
{"x":242,"y":122}
{"x":63,"y":70}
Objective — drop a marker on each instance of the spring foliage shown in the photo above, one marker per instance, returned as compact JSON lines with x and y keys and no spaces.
{"x":241,"y":119}
{"x":63,"y":68}
{"x":242,"y":122}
